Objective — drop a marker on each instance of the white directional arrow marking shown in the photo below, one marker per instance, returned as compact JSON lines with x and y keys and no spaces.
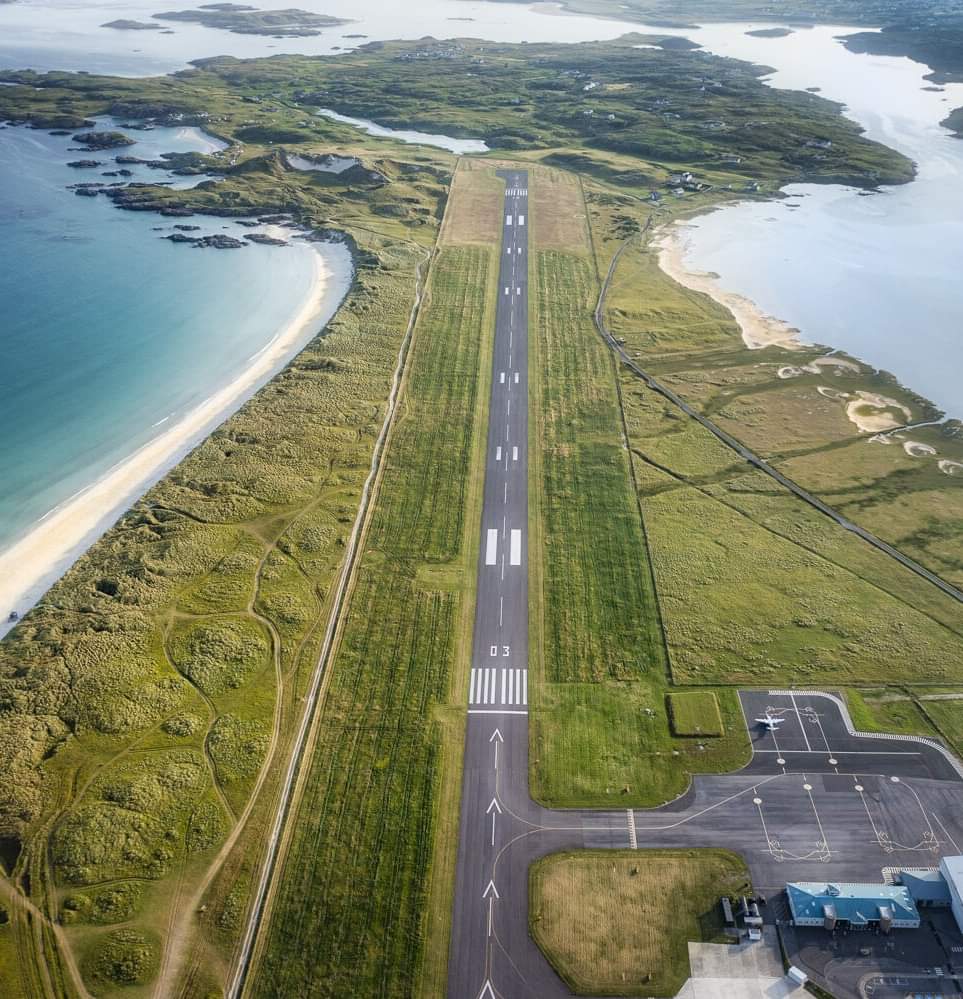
{"x":496,"y":735}
{"x":491,"y":888}
{"x":487,"y":991}
{"x":494,"y":805}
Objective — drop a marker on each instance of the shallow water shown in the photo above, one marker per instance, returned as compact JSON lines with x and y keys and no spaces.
{"x":110,"y":332}
{"x":877,"y":276}
{"x":460,"y":147}
{"x":67,"y":34}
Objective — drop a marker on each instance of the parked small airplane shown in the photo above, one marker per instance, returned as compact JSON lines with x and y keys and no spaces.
{"x":771,"y":724}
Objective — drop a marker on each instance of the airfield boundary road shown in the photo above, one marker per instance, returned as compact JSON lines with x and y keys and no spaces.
{"x":816,"y":802}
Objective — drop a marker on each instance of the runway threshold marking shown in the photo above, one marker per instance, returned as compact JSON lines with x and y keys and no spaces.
{"x":491,"y":685}
{"x":633,"y":839}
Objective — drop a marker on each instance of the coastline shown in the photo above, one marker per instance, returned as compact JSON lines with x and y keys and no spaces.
{"x":871,"y":413}
{"x":33,"y":563}
{"x":759,"y":329}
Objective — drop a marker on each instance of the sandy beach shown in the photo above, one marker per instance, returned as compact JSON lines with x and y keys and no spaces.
{"x":31,"y":565}
{"x":758,"y":328}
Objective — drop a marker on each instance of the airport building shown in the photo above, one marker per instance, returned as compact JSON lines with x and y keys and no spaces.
{"x":951,"y":868}
{"x":928,"y":886}
{"x":852,"y":906}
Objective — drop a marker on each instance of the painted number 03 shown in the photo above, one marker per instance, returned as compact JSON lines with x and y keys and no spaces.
{"x":506,"y":650}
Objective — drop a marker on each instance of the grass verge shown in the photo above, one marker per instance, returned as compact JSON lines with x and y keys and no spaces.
{"x":637,"y":910}
{"x":358,"y":871}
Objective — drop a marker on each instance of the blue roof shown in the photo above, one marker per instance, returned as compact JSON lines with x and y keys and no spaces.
{"x":926,"y":886}
{"x":856,"y":903}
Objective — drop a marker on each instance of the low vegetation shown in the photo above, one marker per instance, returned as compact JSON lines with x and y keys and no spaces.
{"x":695,"y":713}
{"x":357,"y":871}
{"x":600,"y":731}
{"x":637,"y":910}
{"x":155,"y":687}
{"x":147,"y":705}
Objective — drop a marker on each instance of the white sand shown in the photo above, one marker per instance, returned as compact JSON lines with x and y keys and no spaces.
{"x":34,"y":563}
{"x":872,"y":413}
{"x":916,"y":449}
{"x":831,"y":393}
{"x":758,"y":328}
{"x":948,"y":467}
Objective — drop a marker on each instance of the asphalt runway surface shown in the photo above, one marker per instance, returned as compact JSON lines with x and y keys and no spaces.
{"x":815,"y":803}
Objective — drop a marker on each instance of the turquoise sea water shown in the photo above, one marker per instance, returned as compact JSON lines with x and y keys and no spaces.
{"x":108,"y":332}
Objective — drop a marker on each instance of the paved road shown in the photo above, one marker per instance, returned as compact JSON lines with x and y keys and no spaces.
{"x":753,"y":459}
{"x":816,"y":801}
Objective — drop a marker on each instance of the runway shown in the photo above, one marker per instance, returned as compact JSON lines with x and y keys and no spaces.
{"x":816,"y":802}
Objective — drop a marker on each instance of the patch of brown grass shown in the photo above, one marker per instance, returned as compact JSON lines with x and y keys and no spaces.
{"x":474,"y":207}
{"x":557,"y":211}
{"x":618,"y":923}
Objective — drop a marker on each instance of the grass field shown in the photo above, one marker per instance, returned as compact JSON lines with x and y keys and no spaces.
{"x":695,"y":712}
{"x":600,"y":731}
{"x":358,"y":869}
{"x":181,"y":637}
{"x":637,"y":910}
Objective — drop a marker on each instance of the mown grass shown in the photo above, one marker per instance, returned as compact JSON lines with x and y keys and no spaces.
{"x":695,"y":712}
{"x":349,"y":914}
{"x":637,"y":910}
{"x":883,"y":709}
{"x":599,"y":727}
{"x":600,"y":613}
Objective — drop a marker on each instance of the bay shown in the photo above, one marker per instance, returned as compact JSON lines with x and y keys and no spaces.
{"x":111,"y":333}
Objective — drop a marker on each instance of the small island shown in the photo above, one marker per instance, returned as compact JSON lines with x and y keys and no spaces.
{"x":125,"y":24}
{"x":102,"y":140}
{"x":770,"y":32}
{"x":243,"y":20}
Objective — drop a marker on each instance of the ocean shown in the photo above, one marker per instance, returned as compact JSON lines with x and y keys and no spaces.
{"x":109,"y":332}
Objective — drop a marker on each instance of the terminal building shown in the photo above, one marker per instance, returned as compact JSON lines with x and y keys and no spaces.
{"x":852,"y":906}
{"x":879,"y":906}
